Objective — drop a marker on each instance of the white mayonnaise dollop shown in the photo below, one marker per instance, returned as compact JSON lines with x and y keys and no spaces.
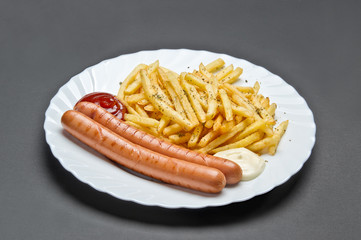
{"x":252,"y":165}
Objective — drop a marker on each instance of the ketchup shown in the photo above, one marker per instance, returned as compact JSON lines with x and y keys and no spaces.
{"x":107,"y":101}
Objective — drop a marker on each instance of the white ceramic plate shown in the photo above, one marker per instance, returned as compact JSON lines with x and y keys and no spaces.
{"x":95,"y":170}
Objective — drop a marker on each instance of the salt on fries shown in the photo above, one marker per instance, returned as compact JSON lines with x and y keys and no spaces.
{"x":201,"y":110}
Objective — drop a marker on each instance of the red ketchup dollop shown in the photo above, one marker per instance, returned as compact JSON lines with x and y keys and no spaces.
{"x":107,"y":101}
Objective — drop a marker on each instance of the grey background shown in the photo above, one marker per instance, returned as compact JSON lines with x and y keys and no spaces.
{"x":314,"y":45}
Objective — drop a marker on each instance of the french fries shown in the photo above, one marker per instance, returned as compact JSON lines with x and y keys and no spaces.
{"x":201,"y":110}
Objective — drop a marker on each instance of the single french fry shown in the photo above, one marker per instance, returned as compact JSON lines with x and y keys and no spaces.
{"x":134,"y":98}
{"x":163,"y":122}
{"x":238,"y":118}
{"x":279,"y":131}
{"x":161,"y":106}
{"x":224,"y":72}
{"x":241,"y":143}
{"x":156,"y":115}
{"x":265,"y":102}
{"x":215,"y":84}
{"x":256,"y":87}
{"x":134,"y":86}
{"x":227,"y":126}
{"x":218,"y":122}
{"x":153,"y":67}
{"x":195,"y":80}
{"x":183,"y":98}
{"x":143,"y":102}
{"x":145,"y":129}
{"x":143,"y":121}
{"x":195,"y":136}
{"x":231,"y":89}
{"x":215,"y":65}
{"x":247,"y":90}
{"x":158,"y":89}
{"x":193,"y":98}
{"x":233,"y":76}
{"x":204,"y":72}
{"x":172,"y":129}
{"x":130,"y":108}
{"x":272,"y":109}
{"x":141,"y":111}
{"x":149,"y":108}
{"x":212,"y":102}
{"x":209,"y":123}
{"x":226,"y":104}
{"x":261,"y":144}
{"x":176,"y":101}
{"x":207,"y":138}
{"x":243,"y":102}
{"x":180,"y":138}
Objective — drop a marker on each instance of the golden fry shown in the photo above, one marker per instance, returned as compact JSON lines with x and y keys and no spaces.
{"x":215,"y":65}
{"x":195,"y":136}
{"x":134,"y":86}
{"x":272,"y":109}
{"x":134,"y":98}
{"x":193,"y":98}
{"x":207,"y":138}
{"x":143,"y":121}
{"x":212,"y":102}
{"x":153,"y":67}
{"x":183,"y":99}
{"x":227,"y":126}
{"x":205,"y":73}
{"x":224,"y":72}
{"x":141,"y":111}
{"x":196,"y":80}
{"x":279,"y":131}
{"x":241,"y":143}
{"x":245,"y":89}
{"x":261,"y":144}
{"x":256,"y":87}
{"x":172,"y":129}
{"x":151,"y":131}
{"x":163,"y":122}
{"x":226,"y":104}
{"x":218,"y":122}
{"x":233,"y":76}
{"x":180,"y":138}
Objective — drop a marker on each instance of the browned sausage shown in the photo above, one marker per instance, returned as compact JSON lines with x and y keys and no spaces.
{"x":140,"y":159}
{"x":231,"y":170}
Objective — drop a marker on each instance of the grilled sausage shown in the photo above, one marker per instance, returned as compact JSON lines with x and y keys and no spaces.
{"x":231,"y":170}
{"x":140,"y":159}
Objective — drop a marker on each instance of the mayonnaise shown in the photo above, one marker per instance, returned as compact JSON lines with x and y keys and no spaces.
{"x":252,"y":165}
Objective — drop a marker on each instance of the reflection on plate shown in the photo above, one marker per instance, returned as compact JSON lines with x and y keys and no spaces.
{"x":95,"y":170}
